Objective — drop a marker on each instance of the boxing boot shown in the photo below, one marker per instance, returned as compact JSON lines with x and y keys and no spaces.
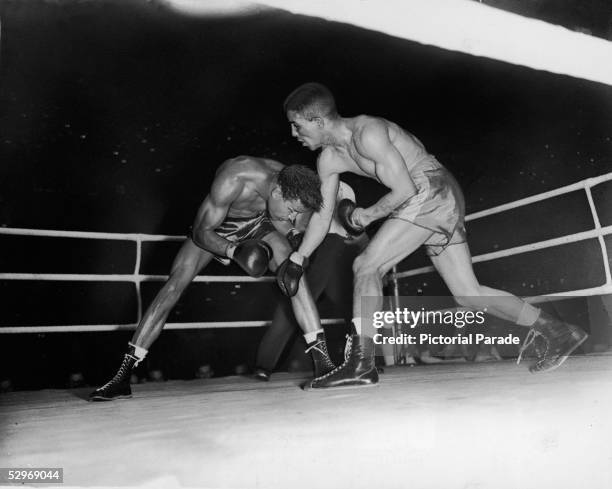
{"x":321,"y":361}
{"x":119,"y":386}
{"x":552,"y":341}
{"x":358,"y":368}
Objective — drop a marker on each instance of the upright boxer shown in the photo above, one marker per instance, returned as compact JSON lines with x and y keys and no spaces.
{"x":424,"y":206}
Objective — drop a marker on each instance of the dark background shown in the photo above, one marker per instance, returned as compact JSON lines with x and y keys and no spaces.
{"x":115,"y":115}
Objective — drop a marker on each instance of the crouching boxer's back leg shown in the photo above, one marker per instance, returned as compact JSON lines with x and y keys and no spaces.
{"x":304,"y":309}
{"x":187,"y":264}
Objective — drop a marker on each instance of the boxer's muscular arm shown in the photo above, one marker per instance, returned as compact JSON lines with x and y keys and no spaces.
{"x":212,"y":212}
{"x":373,"y":142}
{"x":302,"y":220}
{"x":319,"y":223}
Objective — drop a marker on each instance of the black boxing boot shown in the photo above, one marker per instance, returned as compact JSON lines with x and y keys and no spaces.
{"x":119,"y":386}
{"x":358,"y":368}
{"x":552,"y":341}
{"x":320,"y":356}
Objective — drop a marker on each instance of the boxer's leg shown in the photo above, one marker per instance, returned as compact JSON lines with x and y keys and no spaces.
{"x":395,"y":240}
{"x":454,"y":264}
{"x":304,"y":308}
{"x":553,"y":339}
{"x":187,"y":264}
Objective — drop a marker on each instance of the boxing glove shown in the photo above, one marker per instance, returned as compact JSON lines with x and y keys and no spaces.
{"x":345,"y":210}
{"x":252,"y":255}
{"x":288,"y":276}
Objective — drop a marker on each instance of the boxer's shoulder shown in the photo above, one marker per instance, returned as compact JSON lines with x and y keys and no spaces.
{"x":330,"y":161}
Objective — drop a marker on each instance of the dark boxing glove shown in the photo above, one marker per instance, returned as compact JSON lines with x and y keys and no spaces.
{"x":345,"y":210}
{"x":295,"y":238}
{"x":288,"y":276}
{"x":252,"y":255}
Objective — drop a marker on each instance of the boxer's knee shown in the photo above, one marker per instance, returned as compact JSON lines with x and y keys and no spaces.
{"x":367,"y":266}
{"x":464,"y":301}
{"x":471,"y":299}
{"x":279,"y":255}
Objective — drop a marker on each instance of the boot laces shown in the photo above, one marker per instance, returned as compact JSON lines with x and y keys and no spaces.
{"x":123,"y":370}
{"x":530,"y":339}
{"x":321,"y":349}
{"x":347,"y":353}
{"x":348,"y":346}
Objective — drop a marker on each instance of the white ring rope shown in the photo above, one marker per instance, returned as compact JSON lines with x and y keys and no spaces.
{"x":80,"y":328}
{"x":137,"y":278}
{"x":583,"y":184}
{"x":572,"y":238}
{"x":598,"y":232}
{"x":85,"y":277}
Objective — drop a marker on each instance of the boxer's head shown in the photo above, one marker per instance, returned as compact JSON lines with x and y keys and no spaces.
{"x":297,"y":190}
{"x":309,"y":109}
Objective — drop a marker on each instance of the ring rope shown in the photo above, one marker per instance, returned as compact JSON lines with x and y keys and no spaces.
{"x":137,"y":278}
{"x":598,"y":232}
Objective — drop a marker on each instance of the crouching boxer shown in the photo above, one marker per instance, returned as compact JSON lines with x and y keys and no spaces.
{"x":237,"y":221}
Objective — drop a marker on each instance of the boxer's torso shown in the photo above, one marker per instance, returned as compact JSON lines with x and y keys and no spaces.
{"x":253,"y":175}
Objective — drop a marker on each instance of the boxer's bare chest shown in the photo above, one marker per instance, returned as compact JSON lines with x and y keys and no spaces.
{"x":348,"y":159}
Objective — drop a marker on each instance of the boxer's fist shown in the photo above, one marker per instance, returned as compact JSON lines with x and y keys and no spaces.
{"x":252,"y":255}
{"x":345,"y":210}
{"x":289,"y":274}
